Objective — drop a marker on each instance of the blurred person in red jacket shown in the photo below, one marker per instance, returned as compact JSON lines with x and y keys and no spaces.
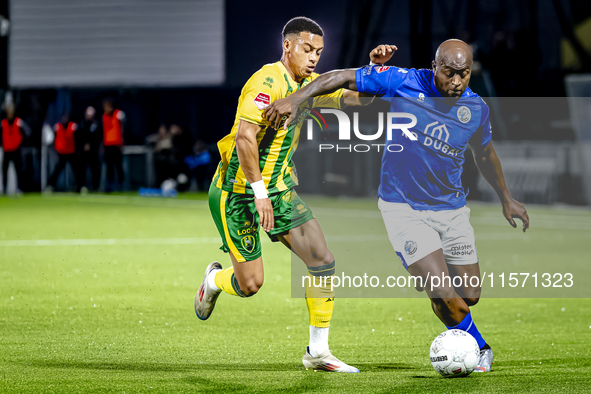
{"x":113,"y":120}
{"x":65,"y":145}
{"x":14,"y":129}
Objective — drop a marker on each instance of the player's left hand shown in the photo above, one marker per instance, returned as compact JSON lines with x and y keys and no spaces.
{"x":276,"y":111}
{"x":382,"y":53}
{"x":515,"y":209}
{"x":265,"y":210}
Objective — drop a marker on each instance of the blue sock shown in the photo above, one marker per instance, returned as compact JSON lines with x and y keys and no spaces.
{"x":468,"y":325}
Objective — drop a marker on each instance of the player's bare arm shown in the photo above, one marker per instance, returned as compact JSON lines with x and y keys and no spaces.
{"x":248,"y":157}
{"x":281,"y":108}
{"x":324,"y":84}
{"x":354,"y":99}
{"x":490,"y":167}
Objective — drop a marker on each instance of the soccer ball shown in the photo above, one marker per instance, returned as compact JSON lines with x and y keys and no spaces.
{"x":454,"y":353}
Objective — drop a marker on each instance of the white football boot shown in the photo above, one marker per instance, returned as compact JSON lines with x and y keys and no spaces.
{"x":485,"y":362}
{"x":206,"y":297}
{"x":326,"y":362}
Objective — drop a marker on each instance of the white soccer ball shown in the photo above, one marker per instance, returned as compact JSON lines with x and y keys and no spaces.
{"x":454,"y":353}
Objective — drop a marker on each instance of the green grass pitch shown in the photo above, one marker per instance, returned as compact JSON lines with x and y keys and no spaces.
{"x":96,"y":294}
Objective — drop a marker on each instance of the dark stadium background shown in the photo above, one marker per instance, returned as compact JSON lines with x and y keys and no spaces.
{"x":519,"y":43}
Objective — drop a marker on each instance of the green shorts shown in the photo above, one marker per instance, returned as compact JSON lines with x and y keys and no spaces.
{"x":237,"y":220}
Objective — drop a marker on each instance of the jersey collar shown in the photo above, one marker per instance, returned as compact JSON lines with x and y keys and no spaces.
{"x":282,"y":66}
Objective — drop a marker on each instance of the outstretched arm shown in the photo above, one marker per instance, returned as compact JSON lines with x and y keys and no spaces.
{"x":328,"y":83}
{"x":490,"y":167}
{"x":324,"y":84}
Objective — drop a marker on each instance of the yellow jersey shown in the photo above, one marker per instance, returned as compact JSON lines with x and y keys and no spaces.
{"x":276,"y":147}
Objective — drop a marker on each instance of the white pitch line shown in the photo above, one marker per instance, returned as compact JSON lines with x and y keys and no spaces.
{"x":485,"y":218}
{"x":565,"y":219}
{"x":480,"y":220}
{"x":206,"y":240}
{"x":545,"y":224}
{"x":132,"y":200}
{"x":545,"y":218}
{"x":112,"y":241}
{"x":348,"y":213}
{"x":163,"y":241}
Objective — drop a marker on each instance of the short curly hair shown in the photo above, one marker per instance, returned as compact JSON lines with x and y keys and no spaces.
{"x":301,"y":24}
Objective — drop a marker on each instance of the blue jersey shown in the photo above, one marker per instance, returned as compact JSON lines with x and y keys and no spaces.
{"x":426,"y":174}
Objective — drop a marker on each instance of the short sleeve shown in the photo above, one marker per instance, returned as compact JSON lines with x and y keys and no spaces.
{"x":380,"y":80}
{"x":331,"y":100}
{"x":260,"y":91}
{"x":483,"y":135}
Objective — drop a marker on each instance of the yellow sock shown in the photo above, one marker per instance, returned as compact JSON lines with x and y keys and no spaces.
{"x":320,"y":295}
{"x":226,"y":281}
{"x":320,"y":311}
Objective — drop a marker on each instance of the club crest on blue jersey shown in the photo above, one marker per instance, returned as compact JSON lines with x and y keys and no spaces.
{"x":464,"y":114}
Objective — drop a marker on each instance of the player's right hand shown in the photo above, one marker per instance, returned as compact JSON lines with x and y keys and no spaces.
{"x":514,"y":209}
{"x":382,"y":53}
{"x":265,"y":210}
{"x":276,"y":111}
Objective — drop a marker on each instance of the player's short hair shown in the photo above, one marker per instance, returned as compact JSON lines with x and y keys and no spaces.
{"x":301,"y":24}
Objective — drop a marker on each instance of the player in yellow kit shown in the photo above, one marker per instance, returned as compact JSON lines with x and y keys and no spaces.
{"x":252,"y":187}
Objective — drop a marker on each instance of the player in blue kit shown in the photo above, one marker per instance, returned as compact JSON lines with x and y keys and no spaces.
{"x":421,"y":197}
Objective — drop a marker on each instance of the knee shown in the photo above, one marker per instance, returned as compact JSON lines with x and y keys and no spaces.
{"x":472,"y":297}
{"x":320,"y":254}
{"x":448,"y":304}
{"x":471,"y":301}
{"x":328,"y":257}
{"x":443,"y":295}
{"x":251,"y":286}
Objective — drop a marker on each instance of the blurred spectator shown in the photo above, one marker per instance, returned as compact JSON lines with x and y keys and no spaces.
{"x":182,"y":147}
{"x":181,"y":144}
{"x":163,"y":155}
{"x":198,"y":164}
{"x":88,"y":139}
{"x":113,"y":120}
{"x":65,"y":145}
{"x":13,"y":131}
